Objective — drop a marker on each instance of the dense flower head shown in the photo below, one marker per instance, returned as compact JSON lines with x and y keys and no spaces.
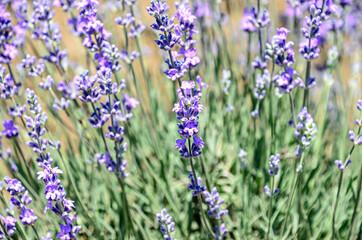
{"x":305,"y":130}
{"x":85,"y":84}
{"x":44,"y":29}
{"x":54,"y":192}
{"x":220,"y":231}
{"x":274,"y":164}
{"x":167,"y":225}
{"x":262,"y":84}
{"x":248,"y":19}
{"x":187,"y":110}
{"x":279,"y":50}
{"x":312,"y":31}
{"x":8,"y":50}
{"x":8,"y":87}
{"x":194,"y":186}
{"x":15,"y":187}
{"x":10,"y":129}
{"x":288,"y":80}
{"x":27,"y":217}
{"x":214,"y":201}
{"x":9,"y":223}
{"x":259,"y":64}
{"x":259,"y":22}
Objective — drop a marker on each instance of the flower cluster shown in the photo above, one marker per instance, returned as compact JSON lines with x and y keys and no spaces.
{"x":8,"y":50}
{"x":188,"y":109}
{"x":8,"y":226}
{"x":20,"y":198}
{"x":96,"y":36}
{"x":118,"y":110}
{"x":274,"y":164}
{"x":250,"y":21}
{"x":242,"y":155}
{"x":172,"y":34}
{"x":11,"y":130}
{"x":305,"y":131}
{"x":214,"y":201}
{"x":8,"y":87}
{"x":167,"y":226}
{"x":288,"y":80}
{"x":357,"y":138}
{"x":45,"y":30}
{"x":194,"y":186}
{"x":279,"y":50}
{"x":273,"y":171}
{"x":54,"y":192}
{"x":309,"y":48}
{"x":262,"y":84}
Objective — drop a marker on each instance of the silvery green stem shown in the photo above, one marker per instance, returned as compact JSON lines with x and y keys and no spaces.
{"x":270,"y":207}
{"x":291,"y":195}
{"x":336,"y":203}
{"x":355,"y":211}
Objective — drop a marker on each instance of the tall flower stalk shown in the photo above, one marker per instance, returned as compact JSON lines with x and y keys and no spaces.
{"x":270,"y":192}
{"x":356,"y":140}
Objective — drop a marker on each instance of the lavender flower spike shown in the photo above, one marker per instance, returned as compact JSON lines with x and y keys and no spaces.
{"x":167,"y":226}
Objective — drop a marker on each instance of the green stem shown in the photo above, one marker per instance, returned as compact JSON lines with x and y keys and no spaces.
{"x":291,"y":195}
{"x":36,"y":232}
{"x":270,"y":208}
{"x":336,"y":204}
{"x":356,"y":205}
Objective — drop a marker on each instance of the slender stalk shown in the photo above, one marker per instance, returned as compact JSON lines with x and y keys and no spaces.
{"x":36,"y":232}
{"x":306,"y":91}
{"x":339,"y":188}
{"x":336,"y":204}
{"x":270,"y":208}
{"x":356,"y":205}
{"x":291,"y":195}
{"x":292,"y":108}
{"x":198,"y":195}
{"x":271,"y":115}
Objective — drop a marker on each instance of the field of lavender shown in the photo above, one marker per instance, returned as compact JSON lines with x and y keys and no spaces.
{"x":200,"y":119}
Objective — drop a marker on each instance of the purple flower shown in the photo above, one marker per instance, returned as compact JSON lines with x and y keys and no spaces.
{"x":352,"y":136}
{"x":359,"y":104}
{"x":280,"y":50}
{"x":157,"y":8}
{"x":339,"y":164}
{"x":9,"y":224}
{"x":214,"y":201}
{"x":167,"y":226}
{"x":10,"y":130}
{"x":196,"y":187}
{"x":288,"y":80}
{"x":129,"y":102}
{"x":220,"y":231}
{"x":274,"y":164}
{"x":305,"y":130}
{"x":27,"y":217}
{"x":268,"y":193}
{"x":247,"y":20}
{"x":191,"y":58}
{"x":14,"y":186}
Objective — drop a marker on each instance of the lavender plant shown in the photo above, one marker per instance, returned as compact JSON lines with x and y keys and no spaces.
{"x":82,"y":158}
